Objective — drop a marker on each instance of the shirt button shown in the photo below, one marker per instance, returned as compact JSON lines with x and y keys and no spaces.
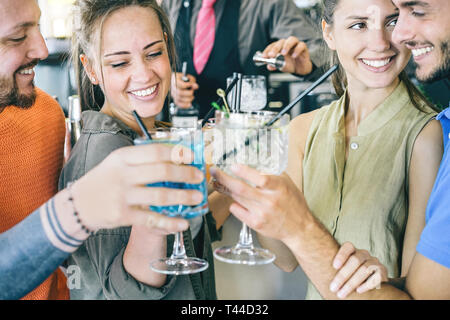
{"x":354,"y":146}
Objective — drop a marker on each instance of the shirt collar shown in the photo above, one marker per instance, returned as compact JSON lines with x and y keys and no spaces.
{"x":445,"y":113}
{"x":380,"y":115}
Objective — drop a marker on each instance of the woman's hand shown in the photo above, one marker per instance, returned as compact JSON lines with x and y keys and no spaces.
{"x":358,"y":270}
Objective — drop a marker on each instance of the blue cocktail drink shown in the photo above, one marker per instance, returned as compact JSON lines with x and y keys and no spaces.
{"x":191,"y":139}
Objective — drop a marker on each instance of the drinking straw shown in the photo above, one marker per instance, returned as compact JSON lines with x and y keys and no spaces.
{"x":141,"y":125}
{"x":237,"y":95}
{"x":302,"y":95}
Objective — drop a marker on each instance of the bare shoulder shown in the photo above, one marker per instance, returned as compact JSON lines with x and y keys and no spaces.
{"x":430,"y":139}
{"x":300,"y":125}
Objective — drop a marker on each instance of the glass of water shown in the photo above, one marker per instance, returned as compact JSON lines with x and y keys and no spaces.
{"x":242,"y":138}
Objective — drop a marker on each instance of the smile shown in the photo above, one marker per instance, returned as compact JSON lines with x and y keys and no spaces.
{"x":376,"y":63}
{"x":145,"y":92}
{"x":419,"y":52}
{"x":26,"y":71}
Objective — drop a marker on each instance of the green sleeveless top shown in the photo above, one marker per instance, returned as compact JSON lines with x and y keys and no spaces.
{"x":363,"y":200}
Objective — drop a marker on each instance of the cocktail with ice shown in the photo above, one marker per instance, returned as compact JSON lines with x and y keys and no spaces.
{"x":243,"y":138}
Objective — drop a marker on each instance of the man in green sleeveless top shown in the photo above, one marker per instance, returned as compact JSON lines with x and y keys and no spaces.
{"x":426,"y":31}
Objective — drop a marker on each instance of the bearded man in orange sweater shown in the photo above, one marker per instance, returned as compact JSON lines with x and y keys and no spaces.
{"x":32,"y":128}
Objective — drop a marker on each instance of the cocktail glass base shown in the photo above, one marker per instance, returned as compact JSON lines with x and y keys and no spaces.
{"x":174,"y":266}
{"x":244,"y":255}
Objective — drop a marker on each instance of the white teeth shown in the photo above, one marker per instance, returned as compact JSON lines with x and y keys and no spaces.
{"x":144,"y":93}
{"x":376,"y":63}
{"x":26,"y":71}
{"x":421,"y":51}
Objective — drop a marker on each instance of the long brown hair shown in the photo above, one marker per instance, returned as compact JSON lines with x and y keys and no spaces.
{"x":339,"y":78}
{"x":88,"y":20}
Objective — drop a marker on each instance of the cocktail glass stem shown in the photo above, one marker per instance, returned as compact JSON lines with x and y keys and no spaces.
{"x":179,"y":252}
{"x":245,"y":238}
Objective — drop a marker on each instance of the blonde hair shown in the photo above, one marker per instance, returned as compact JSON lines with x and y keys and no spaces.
{"x":89,"y":17}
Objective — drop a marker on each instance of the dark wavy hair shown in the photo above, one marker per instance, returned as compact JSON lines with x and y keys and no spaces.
{"x":339,"y":78}
{"x":89,"y":17}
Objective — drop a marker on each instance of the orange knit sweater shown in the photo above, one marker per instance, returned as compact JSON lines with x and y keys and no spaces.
{"x":31,"y":157}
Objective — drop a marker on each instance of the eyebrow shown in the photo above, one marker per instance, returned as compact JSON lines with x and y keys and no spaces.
{"x":367,"y":18}
{"x":414,"y":3}
{"x":16,"y":28}
{"x":127,"y":52}
{"x":23,"y":25}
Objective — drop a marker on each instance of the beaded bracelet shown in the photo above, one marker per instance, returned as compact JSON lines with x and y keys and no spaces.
{"x":75,"y":212}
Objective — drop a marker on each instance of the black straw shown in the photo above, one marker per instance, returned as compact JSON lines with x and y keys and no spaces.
{"x":141,"y":125}
{"x":302,"y":95}
{"x":238,"y":93}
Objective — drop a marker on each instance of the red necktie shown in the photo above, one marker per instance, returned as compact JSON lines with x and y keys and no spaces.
{"x":204,"y":35}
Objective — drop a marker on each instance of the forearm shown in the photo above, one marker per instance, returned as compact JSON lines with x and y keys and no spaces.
{"x":285,"y":260}
{"x":315,"y":249}
{"x":142,"y":248}
{"x":36,"y":247}
{"x":219,"y":205}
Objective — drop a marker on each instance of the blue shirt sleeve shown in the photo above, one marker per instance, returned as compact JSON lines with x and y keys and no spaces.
{"x":27,"y":257}
{"x":435,"y":239}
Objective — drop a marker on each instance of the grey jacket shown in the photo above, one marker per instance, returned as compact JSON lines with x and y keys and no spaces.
{"x":99,"y":259}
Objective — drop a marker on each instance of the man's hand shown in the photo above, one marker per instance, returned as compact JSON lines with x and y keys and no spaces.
{"x":115,"y":193}
{"x":296,"y":55}
{"x":182,"y":91}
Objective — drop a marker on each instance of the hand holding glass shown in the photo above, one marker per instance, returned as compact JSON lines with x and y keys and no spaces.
{"x":179,"y":263}
{"x":244,"y":139}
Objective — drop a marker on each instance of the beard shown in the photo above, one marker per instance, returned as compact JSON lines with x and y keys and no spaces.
{"x":10,"y":94}
{"x":442,"y":71}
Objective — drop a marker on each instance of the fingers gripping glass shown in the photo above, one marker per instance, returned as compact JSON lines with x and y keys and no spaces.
{"x":245,"y":140}
{"x":178,"y":263}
